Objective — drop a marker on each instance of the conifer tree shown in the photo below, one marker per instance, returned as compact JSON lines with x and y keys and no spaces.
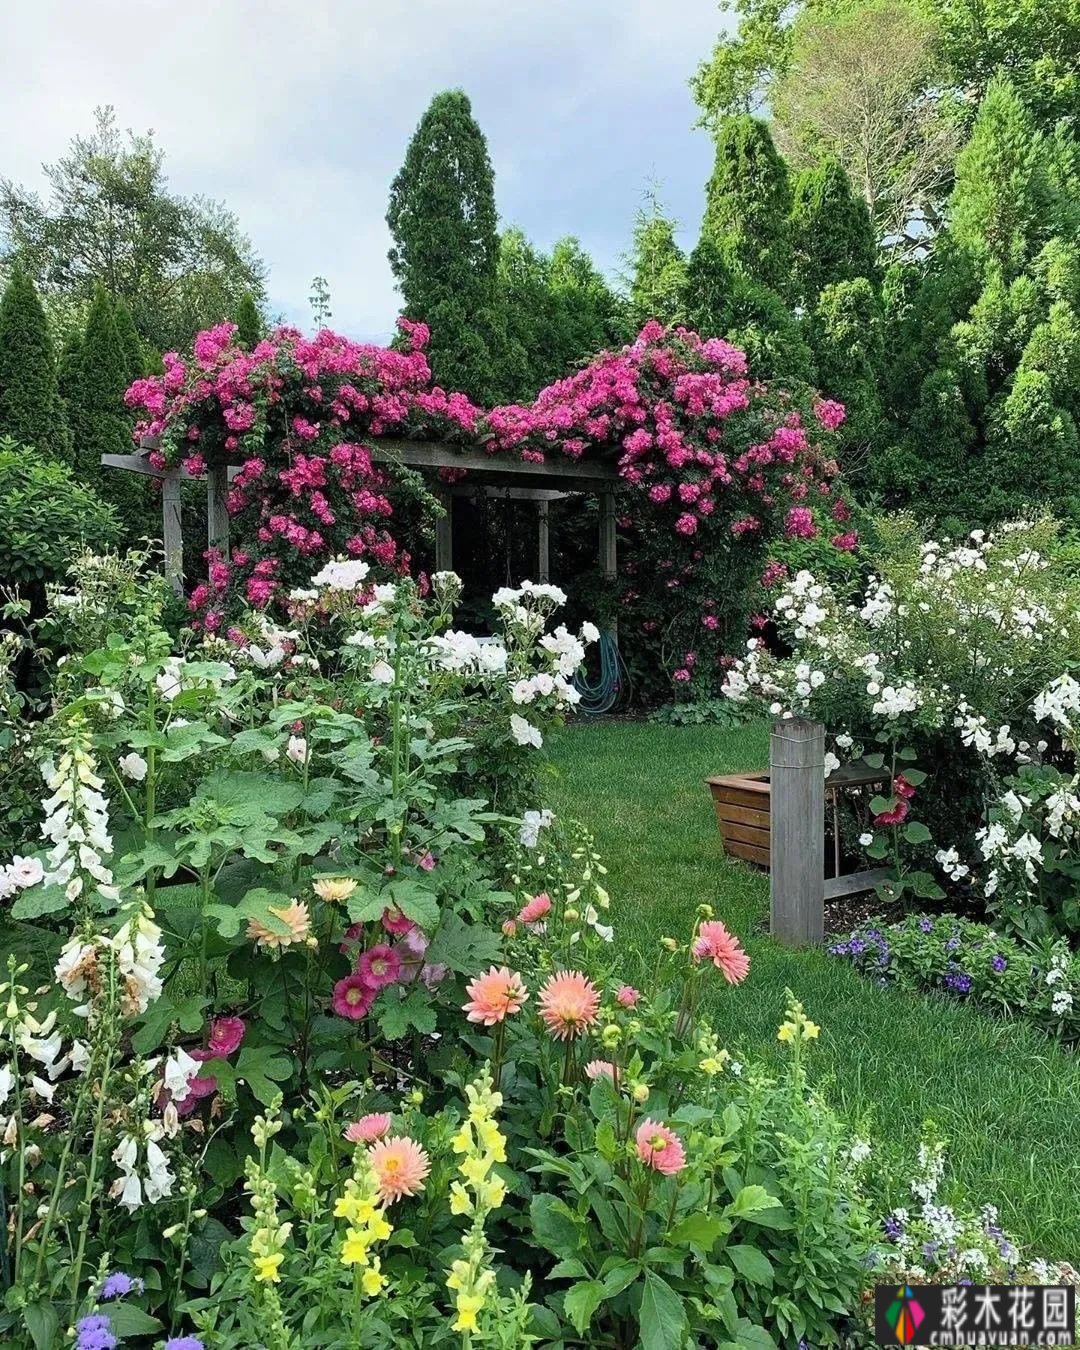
{"x":657,"y":280}
{"x":96,"y":403}
{"x":134,"y":351}
{"x":748,"y":203}
{"x":28,"y":407}
{"x":833,"y":235}
{"x":248,"y":322}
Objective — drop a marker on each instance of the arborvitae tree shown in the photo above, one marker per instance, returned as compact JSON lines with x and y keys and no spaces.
{"x":845,"y":332}
{"x":28,"y":409}
{"x":1033,"y":451}
{"x":96,"y":404}
{"x":590,"y":316}
{"x":748,"y":203}
{"x":1003,"y":208}
{"x":833,"y":234}
{"x":248,"y":320}
{"x":657,"y":277}
{"x":443,"y":220}
{"x":134,"y":352}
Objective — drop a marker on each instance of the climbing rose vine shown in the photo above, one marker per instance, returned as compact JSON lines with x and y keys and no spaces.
{"x":716,"y":464}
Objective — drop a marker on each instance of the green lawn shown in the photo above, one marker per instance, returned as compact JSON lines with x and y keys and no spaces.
{"x":1006,"y":1098}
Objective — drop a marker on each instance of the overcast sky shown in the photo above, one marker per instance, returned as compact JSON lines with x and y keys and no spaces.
{"x":296,"y":113}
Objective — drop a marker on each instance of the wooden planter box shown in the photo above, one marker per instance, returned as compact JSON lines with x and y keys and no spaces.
{"x":742,"y":802}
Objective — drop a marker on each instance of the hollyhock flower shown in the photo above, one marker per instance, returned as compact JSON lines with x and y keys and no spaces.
{"x":902,"y":788}
{"x":660,"y":1148}
{"x":353,"y":997}
{"x":601,"y":1068}
{"x":379,"y":966}
{"x":426,"y":861}
{"x":715,"y":943}
{"x":895,"y":816}
{"x":198,"y":1089}
{"x":539,"y":907}
{"x":494,"y":995}
{"x":400,"y":1166}
{"x":334,"y":888}
{"x":133,"y":766}
{"x":226,"y":1035}
{"x":296,"y":916}
{"x":627,"y":996}
{"x":369,"y":1128}
{"x":395,"y":922}
{"x":297,"y":750}
{"x":568,"y":1004}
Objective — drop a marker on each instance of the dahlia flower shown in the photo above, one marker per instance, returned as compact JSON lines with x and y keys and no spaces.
{"x":714,"y":942}
{"x":660,"y":1148}
{"x":568,"y":1004}
{"x":493,"y":995}
{"x":400,"y":1166}
{"x":539,"y":907}
{"x":368,"y":1128}
{"x":334,"y":888}
{"x":296,"y":916}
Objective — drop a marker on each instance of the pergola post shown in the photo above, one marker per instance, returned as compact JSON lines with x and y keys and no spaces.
{"x":796,"y":830}
{"x":609,"y":563}
{"x":173,"y":532}
{"x":217,"y":515}
{"x":444,"y":535}
{"x":543,"y":543}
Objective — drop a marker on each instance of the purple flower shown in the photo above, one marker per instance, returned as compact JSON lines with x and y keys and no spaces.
{"x":856,"y":946}
{"x":894,"y":1229}
{"x":953,"y":944}
{"x":119,"y":1285}
{"x":840,"y":949}
{"x":926,"y":925}
{"x":998,"y":963}
{"x":184,"y":1343}
{"x":958,"y":982}
{"x":95,"y":1333}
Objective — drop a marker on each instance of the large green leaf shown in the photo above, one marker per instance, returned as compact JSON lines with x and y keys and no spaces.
{"x":465,"y":947}
{"x":397,"y":1016}
{"x":662,"y":1317}
{"x":581,"y":1302}
{"x":416,"y":902}
{"x":129,"y":1320}
{"x":751,"y":1263}
{"x":262,"y":1069}
{"x":555,"y":1226}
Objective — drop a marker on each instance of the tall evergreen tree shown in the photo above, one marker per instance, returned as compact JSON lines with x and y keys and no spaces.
{"x":134,"y":351}
{"x":443,"y":221}
{"x":748,"y":203}
{"x":1003,"y":205}
{"x":833,"y":234}
{"x":248,"y":320}
{"x":96,"y":405}
{"x":28,"y":391}
{"x":846,"y":334}
{"x":657,"y":279}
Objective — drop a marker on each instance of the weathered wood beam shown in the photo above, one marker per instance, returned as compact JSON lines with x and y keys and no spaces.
{"x":796,"y":830}
{"x":513,"y":494}
{"x":855,"y":883}
{"x":444,"y":535}
{"x":543,"y":543}
{"x":504,"y":466}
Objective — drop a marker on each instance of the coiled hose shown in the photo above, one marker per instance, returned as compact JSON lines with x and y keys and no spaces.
{"x":600,"y":695}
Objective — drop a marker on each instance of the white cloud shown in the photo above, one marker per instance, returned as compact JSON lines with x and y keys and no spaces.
{"x":296,"y":113}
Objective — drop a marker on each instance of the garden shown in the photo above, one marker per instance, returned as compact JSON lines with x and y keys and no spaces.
{"x":363,"y":982}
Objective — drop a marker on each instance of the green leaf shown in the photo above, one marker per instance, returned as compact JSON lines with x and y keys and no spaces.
{"x":43,"y":1324}
{"x":874,"y":761}
{"x":661,"y":1318}
{"x":465,"y":947}
{"x":159,"y":1017}
{"x":129,"y":1320}
{"x":555,"y":1225}
{"x":753,"y":1337}
{"x":395,"y":1018}
{"x":257,"y":904}
{"x":581,"y":1302}
{"x":916,"y":777}
{"x":879,"y":848}
{"x":416,"y":902}
{"x":699,"y":1230}
{"x":38,"y":900}
{"x":907,"y":754}
{"x":879,"y":804}
{"x":751,"y":1200}
{"x":569,"y":1270}
{"x":915,"y":832}
{"x":262,"y":1069}
{"x":620,"y":1277}
{"x":924,"y":886}
{"x":751,"y":1263}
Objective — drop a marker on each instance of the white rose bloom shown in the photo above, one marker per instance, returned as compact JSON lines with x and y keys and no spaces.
{"x":524,"y":732}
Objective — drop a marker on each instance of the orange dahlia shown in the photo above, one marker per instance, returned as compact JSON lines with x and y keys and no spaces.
{"x":493,"y":995}
{"x":568,"y":1003}
{"x":400,"y":1166}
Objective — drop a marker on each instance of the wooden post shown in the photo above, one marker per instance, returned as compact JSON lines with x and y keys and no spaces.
{"x":543,"y":543}
{"x":173,"y":533}
{"x":444,"y":535}
{"x":608,"y":549}
{"x":797,"y":831}
{"x":217,"y":516}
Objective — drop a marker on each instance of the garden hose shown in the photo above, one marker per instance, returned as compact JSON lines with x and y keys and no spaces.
{"x":600,"y":695}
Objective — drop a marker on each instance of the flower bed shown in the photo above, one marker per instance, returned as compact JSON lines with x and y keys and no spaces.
{"x":973,"y":962}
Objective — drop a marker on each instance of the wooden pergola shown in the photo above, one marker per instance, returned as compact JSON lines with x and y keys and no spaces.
{"x":502,"y":475}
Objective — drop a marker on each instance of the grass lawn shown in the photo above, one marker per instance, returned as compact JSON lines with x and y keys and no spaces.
{"x":1006,"y":1098}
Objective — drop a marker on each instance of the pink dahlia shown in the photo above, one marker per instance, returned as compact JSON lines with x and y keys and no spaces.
{"x":379,"y":966}
{"x":601,"y":1068}
{"x":368,"y":1128}
{"x":400,"y":1166}
{"x":722,"y":948}
{"x":660,"y":1148}
{"x":627,"y":996}
{"x":493,"y":995}
{"x":353,"y":997}
{"x":539,"y":907}
{"x":568,"y":1003}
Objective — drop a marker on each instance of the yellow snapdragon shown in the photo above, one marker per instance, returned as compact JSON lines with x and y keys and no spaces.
{"x":797,"y":1027}
{"x":359,"y":1205}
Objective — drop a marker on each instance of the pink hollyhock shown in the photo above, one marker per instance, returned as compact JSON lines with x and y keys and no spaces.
{"x":715,"y":943}
{"x":353,"y":997}
{"x":226,"y":1034}
{"x":198,"y":1089}
{"x":539,"y":907}
{"x":895,"y":816}
{"x":568,"y":1004}
{"x":395,"y":922}
{"x":902,"y":788}
{"x":682,"y":675}
{"x":660,"y":1148}
{"x":368,"y":1128}
{"x":627,"y":996}
{"x":379,"y":966}
{"x":494,"y":995}
{"x":426,"y":861}
{"x":400,"y":1166}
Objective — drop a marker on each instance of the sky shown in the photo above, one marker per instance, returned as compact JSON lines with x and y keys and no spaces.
{"x":297,"y":113}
